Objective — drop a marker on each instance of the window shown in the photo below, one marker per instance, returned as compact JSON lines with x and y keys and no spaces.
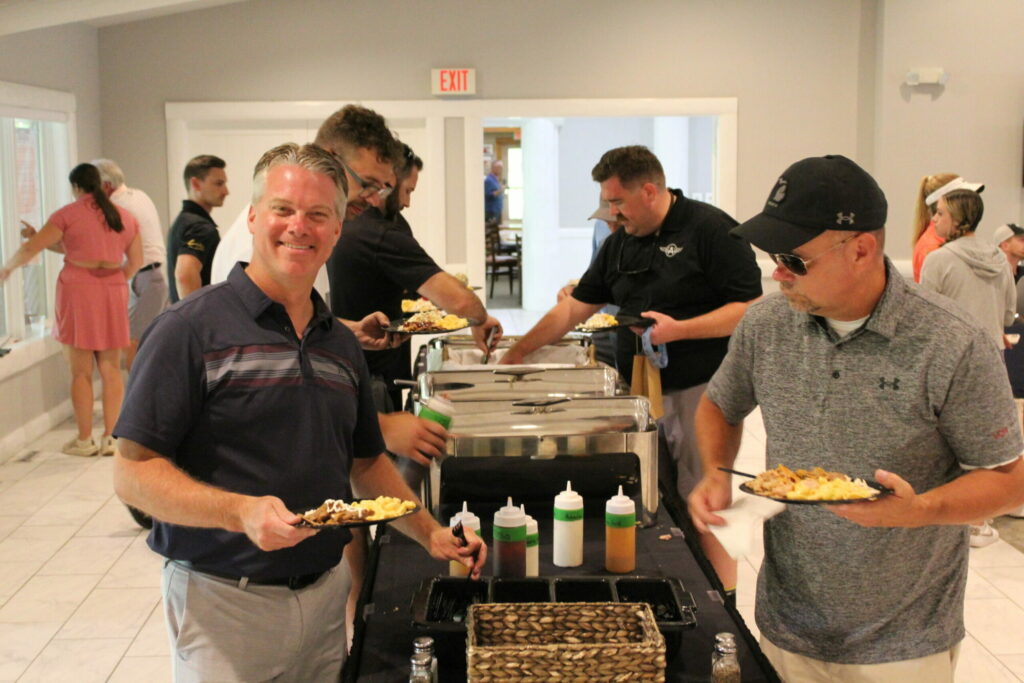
{"x":36,"y":128}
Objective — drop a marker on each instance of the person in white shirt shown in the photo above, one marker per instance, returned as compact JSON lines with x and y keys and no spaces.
{"x":147,"y":291}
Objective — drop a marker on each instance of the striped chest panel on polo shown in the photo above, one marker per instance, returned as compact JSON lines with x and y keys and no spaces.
{"x":268,"y":365}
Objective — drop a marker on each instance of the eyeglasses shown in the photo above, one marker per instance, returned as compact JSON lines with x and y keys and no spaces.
{"x":797,"y":265}
{"x":640,"y":256}
{"x":368,"y":189}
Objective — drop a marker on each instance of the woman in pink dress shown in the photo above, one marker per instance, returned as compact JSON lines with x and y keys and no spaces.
{"x":92,"y":297}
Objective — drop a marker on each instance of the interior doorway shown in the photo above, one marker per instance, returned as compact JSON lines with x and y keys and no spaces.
{"x":503,"y":189}
{"x":549,"y":194}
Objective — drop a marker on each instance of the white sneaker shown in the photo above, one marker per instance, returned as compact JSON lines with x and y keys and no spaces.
{"x":107,"y":445}
{"x":983,"y":535}
{"x":79,"y":447}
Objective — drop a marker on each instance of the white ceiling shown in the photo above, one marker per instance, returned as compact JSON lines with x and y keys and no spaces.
{"x":25,"y":15}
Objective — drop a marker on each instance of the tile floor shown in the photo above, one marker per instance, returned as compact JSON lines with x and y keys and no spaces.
{"x":994,"y":611}
{"x":80,"y":590}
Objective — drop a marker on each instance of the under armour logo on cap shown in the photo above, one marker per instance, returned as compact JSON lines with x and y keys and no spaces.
{"x":814,"y":195}
{"x":779,"y":193}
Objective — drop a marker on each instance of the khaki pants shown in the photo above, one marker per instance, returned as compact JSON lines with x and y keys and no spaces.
{"x":794,"y":668}
{"x":678,"y":423}
{"x":220,"y":632}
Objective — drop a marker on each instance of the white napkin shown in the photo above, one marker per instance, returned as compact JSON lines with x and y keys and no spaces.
{"x":742,"y":518}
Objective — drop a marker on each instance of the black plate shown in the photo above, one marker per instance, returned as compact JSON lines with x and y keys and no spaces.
{"x":396,"y":326}
{"x":882,"y":492}
{"x":303,"y":524}
{"x":624,"y":321}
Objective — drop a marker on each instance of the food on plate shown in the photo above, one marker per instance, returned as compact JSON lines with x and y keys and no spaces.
{"x":417,"y":305}
{"x":427,"y":321}
{"x":334,"y":512}
{"x":463,"y":278}
{"x":385,"y":507}
{"x":816,"y":484}
{"x":598,"y":321}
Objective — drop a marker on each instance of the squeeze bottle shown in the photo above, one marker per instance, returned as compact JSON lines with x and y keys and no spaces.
{"x":510,"y":541}
{"x":620,"y":534}
{"x":567,"y":539}
{"x":532,"y":545}
{"x":469,"y":521}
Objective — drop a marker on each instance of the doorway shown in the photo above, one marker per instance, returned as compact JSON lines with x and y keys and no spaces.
{"x":550,"y":194}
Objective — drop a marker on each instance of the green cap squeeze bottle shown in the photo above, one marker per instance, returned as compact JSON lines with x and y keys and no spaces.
{"x":567,"y":536}
{"x":620,"y":534}
{"x":510,"y":541}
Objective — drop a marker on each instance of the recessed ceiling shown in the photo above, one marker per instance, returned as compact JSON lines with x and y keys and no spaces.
{"x":26,"y":15}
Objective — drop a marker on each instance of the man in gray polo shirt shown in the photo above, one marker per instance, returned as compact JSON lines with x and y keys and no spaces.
{"x":859,"y":371}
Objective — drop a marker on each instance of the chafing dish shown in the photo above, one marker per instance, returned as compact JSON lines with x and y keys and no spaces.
{"x":519,"y":382}
{"x":533,"y":446}
{"x":460,"y":351}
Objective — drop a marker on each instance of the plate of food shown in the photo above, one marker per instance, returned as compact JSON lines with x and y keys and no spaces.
{"x":604,"y":322}
{"x":413,"y":306}
{"x":816,"y":486}
{"x":337,"y":514}
{"x":430,"y":322}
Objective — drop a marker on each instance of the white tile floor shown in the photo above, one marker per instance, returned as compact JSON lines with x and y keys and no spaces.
{"x":80,"y":590}
{"x":994,"y":611}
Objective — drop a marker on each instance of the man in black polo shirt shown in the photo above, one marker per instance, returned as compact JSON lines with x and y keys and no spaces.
{"x":673,"y":261}
{"x":193,"y":237}
{"x":377,"y":249}
{"x":249,"y":401}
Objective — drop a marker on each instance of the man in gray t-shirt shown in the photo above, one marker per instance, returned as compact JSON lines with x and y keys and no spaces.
{"x":857,"y":370}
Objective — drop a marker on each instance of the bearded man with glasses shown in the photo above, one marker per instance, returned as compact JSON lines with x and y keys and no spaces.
{"x":857,"y":370}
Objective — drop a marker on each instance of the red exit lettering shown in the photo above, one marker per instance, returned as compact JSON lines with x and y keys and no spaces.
{"x":454,"y":80}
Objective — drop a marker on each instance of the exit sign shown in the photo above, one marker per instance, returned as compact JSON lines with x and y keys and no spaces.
{"x":453,"y":81}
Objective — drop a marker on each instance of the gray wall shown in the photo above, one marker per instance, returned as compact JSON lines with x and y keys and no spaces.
{"x":64,"y":58}
{"x":790,"y":105}
{"x":581,"y":142}
{"x":973,"y":126}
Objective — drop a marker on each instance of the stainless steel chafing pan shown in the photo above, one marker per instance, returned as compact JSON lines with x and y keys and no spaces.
{"x":452,"y":352}
{"x":528,"y":435}
{"x":519,"y":382}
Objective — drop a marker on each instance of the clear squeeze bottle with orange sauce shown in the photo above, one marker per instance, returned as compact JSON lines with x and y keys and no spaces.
{"x":620,"y":534}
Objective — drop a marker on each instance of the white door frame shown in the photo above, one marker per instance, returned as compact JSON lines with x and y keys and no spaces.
{"x":183,"y":116}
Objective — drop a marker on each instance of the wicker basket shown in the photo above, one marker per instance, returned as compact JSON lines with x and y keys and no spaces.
{"x":572,"y":641}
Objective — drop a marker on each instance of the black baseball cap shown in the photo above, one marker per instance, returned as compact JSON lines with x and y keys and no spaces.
{"x":812,"y":196}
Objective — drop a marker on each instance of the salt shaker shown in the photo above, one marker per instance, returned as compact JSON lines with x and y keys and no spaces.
{"x":725,"y":665}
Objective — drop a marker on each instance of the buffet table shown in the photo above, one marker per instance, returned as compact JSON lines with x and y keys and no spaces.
{"x":383,"y":637}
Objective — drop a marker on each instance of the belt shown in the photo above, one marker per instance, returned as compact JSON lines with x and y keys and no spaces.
{"x":151,"y":266}
{"x":293,"y":582}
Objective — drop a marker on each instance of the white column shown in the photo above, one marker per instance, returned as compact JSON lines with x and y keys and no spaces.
{"x":540,"y":214}
{"x":672,"y":147}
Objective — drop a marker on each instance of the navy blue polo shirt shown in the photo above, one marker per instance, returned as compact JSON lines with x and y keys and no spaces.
{"x":224,"y":389}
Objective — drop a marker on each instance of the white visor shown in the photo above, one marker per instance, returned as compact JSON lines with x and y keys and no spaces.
{"x":954,"y":184}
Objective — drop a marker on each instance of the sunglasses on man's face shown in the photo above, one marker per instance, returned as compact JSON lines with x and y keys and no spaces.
{"x":797,"y":265}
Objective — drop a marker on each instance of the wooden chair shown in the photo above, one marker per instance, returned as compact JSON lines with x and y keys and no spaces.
{"x":501,"y":259}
